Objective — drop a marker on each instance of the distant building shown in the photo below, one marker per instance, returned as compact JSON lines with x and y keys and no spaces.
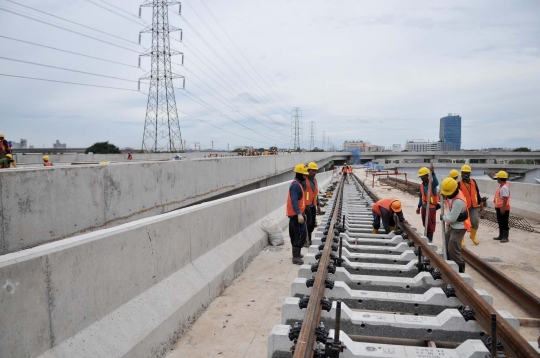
{"x":363,"y":146}
{"x":22,"y":145}
{"x":59,"y":145}
{"x":420,"y":145}
{"x":243,"y":147}
{"x":396,"y":147}
{"x":450,"y":131}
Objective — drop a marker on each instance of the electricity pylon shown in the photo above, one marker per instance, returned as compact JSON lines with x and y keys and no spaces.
{"x":296,"y":127}
{"x":161,"y":126}
{"x":311,"y":135}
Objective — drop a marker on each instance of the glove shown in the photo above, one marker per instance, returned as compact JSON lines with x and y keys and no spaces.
{"x":301,"y":219}
{"x":437,"y":207}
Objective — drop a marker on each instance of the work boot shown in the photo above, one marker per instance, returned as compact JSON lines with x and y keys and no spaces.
{"x":462,"y":268}
{"x":296,"y":257}
{"x":375,"y":231}
{"x":505,"y":234}
{"x":473,"y":236}
{"x":463,"y":242}
{"x":392,"y":228}
{"x":498,"y":237}
{"x":430,"y":237}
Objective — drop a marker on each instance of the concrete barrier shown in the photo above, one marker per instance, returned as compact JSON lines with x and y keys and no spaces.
{"x":43,"y":205}
{"x":131,"y":290}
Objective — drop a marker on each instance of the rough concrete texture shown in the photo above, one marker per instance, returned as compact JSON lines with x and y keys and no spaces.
{"x":43,"y":205}
{"x":129,"y":291}
{"x":518,"y":259}
{"x":448,"y":326}
{"x":279,"y":343}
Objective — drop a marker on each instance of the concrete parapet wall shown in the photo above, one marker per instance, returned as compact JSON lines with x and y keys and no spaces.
{"x":43,"y":205}
{"x":131,"y":290}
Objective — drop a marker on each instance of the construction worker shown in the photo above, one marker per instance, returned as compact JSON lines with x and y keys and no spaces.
{"x":345,"y":172}
{"x":4,"y":147}
{"x":384,"y":210}
{"x":46,"y":162}
{"x":475,"y":205}
{"x":312,"y":200}
{"x":501,"y":201}
{"x":454,"y":174}
{"x":296,"y":207}
{"x":457,"y":220}
{"x":423,"y":174}
{"x":7,"y":162}
{"x":130,"y":157}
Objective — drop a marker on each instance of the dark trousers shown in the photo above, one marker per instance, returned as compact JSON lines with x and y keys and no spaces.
{"x":377,"y":221}
{"x":297,"y":232}
{"x":502,"y":219}
{"x":432,"y":220}
{"x":453,"y":244}
{"x":311,"y":221}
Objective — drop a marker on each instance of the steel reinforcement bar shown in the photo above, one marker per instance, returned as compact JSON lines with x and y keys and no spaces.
{"x":312,"y":318}
{"x":513,"y":343}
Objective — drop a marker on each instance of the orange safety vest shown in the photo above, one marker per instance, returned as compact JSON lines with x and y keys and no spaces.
{"x":470,"y":193}
{"x":311,"y":193}
{"x":301,"y":203}
{"x":433,"y":199}
{"x":384,"y":203}
{"x":48,"y":164}
{"x":350,"y":170}
{"x":498,"y":201}
{"x":460,"y":196}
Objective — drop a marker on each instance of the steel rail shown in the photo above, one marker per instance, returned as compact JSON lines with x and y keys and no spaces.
{"x":513,"y":343}
{"x":526,"y":298}
{"x":312,"y":318}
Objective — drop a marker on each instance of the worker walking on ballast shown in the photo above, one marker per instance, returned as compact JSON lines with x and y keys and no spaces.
{"x":475,"y":205}
{"x":423,"y":174}
{"x":501,"y":201}
{"x":384,"y":210}
{"x":457,"y":220}
{"x":345,"y":172}
{"x":296,"y":207}
{"x":312,"y":200}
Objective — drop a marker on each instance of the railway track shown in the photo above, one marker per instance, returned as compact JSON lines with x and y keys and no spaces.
{"x":364,"y":295}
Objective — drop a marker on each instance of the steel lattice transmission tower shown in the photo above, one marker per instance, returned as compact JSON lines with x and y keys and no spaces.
{"x":311,"y":135}
{"x":161,"y":126}
{"x":296,"y":127}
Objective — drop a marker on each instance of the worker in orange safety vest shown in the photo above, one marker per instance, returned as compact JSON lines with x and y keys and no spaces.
{"x":501,"y":201}
{"x":295,"y":210}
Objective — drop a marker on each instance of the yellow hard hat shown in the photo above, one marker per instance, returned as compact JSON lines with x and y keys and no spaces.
{"x":300,"y":168}
{"x":313,"y":166}
{"x":46,"y":157}
{"x":423,"y":171}
{"x":2,"y":136}
{"x":344,"y":163}
{"x":396,"y":206}
{"x":9,"y":156}
{"x":502,"y":175}
{"x":448,"y":186}
{"x":466,"y":168}
{"x":454,"y":174}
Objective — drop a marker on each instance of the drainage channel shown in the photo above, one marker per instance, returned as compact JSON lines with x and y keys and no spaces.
{"x":367,"y":295}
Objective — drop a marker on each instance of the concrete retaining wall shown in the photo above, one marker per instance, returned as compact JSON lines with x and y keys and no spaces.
{"x":130,"y":291}
{"x":43,"y":205}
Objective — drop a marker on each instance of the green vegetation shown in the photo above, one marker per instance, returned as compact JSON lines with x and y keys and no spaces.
{"x":521,"y":149}
{"x":103,"y":148}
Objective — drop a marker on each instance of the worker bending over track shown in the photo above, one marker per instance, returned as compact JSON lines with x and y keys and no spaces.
{"x":501,"y":200}
{"x":312,"y":200}
{"x":475,"y":205}
{"x":384,"y":210}
{"x":457,"y":220}
{"x":296,"y":207}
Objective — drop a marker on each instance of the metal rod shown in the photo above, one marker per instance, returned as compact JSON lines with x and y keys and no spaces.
{"x":337,"y":326}
{"x":443,"y":229}
{"x":494,"y":353}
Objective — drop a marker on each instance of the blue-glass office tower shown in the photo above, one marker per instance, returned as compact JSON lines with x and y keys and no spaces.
{"x":450,"y":132}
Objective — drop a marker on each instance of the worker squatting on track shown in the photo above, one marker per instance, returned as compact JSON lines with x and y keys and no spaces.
{"x":311,"y":190}
{"x":423,"y":174}
{"x":501,"y":200}
{"x":296,"y":207}
{"x":384,"y":210}
{"x":7,"y":162}
{"x":457,"y":220}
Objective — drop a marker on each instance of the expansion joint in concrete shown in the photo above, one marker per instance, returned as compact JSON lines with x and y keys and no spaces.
{"x":50,"y":299}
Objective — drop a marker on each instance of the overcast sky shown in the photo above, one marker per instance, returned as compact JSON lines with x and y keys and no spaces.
{"x":379,"y":71}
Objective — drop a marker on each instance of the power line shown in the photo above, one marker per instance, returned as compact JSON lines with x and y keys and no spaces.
{"x":71,"y":52}
{"x":127,"y":12}
{"x":71,"y":83}
{"x":232,"y":56}
{"x":66,"y":69}
{"x":240,"y":52}
{"x":73,"y":22}
{"x":63,"y":28}
{"x":114,"y":12}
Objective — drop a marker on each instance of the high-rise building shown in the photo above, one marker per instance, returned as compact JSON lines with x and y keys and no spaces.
{"x":450,"y":130}
{"x":59,"y":145}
